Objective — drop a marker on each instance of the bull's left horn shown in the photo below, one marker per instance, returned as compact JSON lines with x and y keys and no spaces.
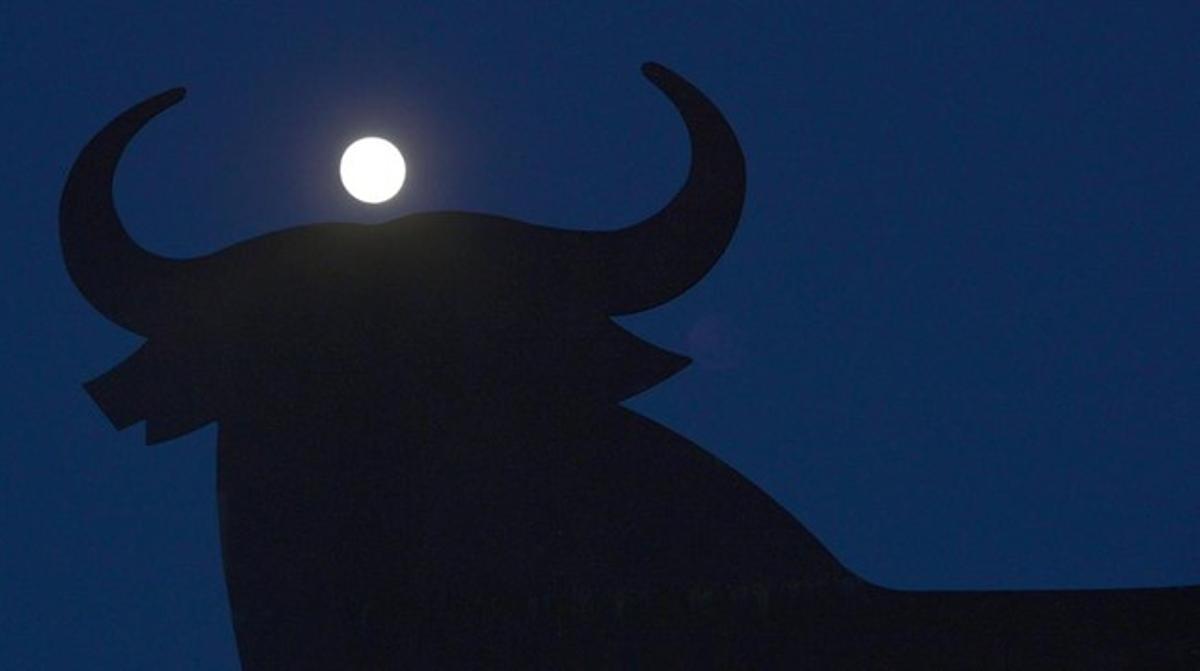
{"x":653,"y":261}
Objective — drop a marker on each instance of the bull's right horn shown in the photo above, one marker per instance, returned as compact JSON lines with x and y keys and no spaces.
{"x":124,"y":282}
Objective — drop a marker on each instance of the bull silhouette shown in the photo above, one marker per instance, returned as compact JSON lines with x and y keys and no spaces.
{"x":422,"y":459}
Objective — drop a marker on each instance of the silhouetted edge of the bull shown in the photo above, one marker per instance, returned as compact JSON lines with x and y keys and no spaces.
{"x":184,"y":306}
{"x":193,"y":370}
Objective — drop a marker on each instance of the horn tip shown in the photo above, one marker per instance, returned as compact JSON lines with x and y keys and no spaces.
{"x":173,"y":95}
{"x":654,"y":71}
{"x":164,"y":100}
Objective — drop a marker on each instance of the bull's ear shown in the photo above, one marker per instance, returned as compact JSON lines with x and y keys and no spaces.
{"x":116,"y":392}
{"x":596,"y":361}
{"x":625,"y":365}
{"x":167,"y":389}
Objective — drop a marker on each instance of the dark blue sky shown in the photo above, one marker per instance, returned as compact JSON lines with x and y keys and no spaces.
{"x":955,"y":334}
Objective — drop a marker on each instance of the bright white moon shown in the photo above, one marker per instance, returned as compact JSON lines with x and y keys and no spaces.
{"x":372,"y":169}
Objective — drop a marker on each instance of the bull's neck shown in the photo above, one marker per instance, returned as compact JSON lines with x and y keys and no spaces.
{"x":343,"y":411}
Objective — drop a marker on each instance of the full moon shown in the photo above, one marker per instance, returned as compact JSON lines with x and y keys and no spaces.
{"x":372,"y":169}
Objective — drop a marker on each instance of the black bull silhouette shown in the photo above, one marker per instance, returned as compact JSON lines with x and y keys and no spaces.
{"x":422,"y":460}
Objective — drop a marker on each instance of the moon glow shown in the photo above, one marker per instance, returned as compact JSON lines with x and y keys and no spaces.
{"x":372,"y":170}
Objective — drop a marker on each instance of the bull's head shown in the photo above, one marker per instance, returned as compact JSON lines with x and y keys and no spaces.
{"x":492,"y":305}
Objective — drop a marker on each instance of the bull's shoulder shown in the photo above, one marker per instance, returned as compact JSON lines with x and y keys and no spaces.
{"x":651,"y":502}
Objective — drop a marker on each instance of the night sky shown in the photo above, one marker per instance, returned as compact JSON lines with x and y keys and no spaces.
{"x":955,"y":334}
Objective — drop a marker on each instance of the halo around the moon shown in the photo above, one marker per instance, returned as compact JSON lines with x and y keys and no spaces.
{"x":372,"y":170}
